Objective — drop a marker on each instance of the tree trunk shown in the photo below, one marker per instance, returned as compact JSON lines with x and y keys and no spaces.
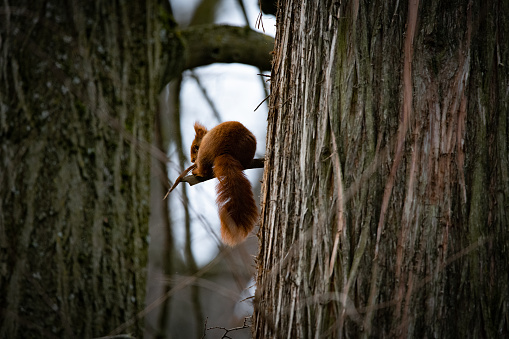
{"x":79,"y":83}
{"x":385,"y":201}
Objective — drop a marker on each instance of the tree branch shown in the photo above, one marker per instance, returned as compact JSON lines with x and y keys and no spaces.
{"x":193,"y":180}
{"x":207,"y":44}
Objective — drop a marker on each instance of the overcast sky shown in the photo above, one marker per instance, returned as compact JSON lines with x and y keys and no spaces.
{"x":236,"y":91}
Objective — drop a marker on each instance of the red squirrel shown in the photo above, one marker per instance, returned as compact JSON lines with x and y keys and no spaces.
{"x":225,"y":151}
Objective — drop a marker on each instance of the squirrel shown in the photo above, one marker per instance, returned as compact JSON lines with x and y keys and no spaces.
{"x":225,"y":151}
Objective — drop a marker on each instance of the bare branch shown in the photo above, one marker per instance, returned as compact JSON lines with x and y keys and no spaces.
{"x":193,"y":180}
{"x":227,"y":330}
{"x":207,"y":44}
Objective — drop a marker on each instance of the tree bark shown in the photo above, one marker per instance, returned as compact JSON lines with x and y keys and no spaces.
{"x":79,"y":82}
{"x":207,"y":44}
{"x":78,"y":92}
{"x":384,"y":205}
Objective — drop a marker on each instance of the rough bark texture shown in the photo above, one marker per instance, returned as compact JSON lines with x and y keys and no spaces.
{"x":385,"y":201}
{"x":79,"y":82}
{"x":206,"y":44}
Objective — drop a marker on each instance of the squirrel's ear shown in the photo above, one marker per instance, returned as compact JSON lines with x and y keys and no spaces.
{"x":199,"y":129}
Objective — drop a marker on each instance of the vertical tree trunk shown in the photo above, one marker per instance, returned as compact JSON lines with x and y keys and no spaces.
{"x":386,"y":185}
{"x":79,"y":82}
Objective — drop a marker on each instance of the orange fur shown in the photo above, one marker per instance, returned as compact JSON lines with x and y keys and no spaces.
{"x":226,"y":150}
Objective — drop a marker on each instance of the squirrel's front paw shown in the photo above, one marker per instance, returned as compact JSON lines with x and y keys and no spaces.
{"x":197,"y":173}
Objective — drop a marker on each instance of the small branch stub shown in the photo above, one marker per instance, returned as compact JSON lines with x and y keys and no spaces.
{"x":193,"y":180}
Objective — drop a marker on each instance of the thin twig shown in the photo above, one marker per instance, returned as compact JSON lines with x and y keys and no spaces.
{"x":206,"y":96}
{"x":228,"y":330}
{"x":259,"y":20}
{"x":244,"y":12}
{"x":205,"y":328}
{"x":261,"y":102}
{"x":179,"y":179}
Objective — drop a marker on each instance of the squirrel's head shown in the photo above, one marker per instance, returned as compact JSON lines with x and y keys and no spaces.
{"x":195,"y":146}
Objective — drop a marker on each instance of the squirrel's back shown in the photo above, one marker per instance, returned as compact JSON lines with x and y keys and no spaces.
{"x":232,"y":138}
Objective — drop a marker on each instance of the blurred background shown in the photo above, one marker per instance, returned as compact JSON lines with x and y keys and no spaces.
{"x":196,"y":286}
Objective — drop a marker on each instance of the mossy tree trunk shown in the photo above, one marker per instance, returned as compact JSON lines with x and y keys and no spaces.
{"x":79,"y":83}
{"x":385,"y":208}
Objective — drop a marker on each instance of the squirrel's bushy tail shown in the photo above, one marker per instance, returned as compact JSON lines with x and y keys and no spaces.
{"x":237,"y":208}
